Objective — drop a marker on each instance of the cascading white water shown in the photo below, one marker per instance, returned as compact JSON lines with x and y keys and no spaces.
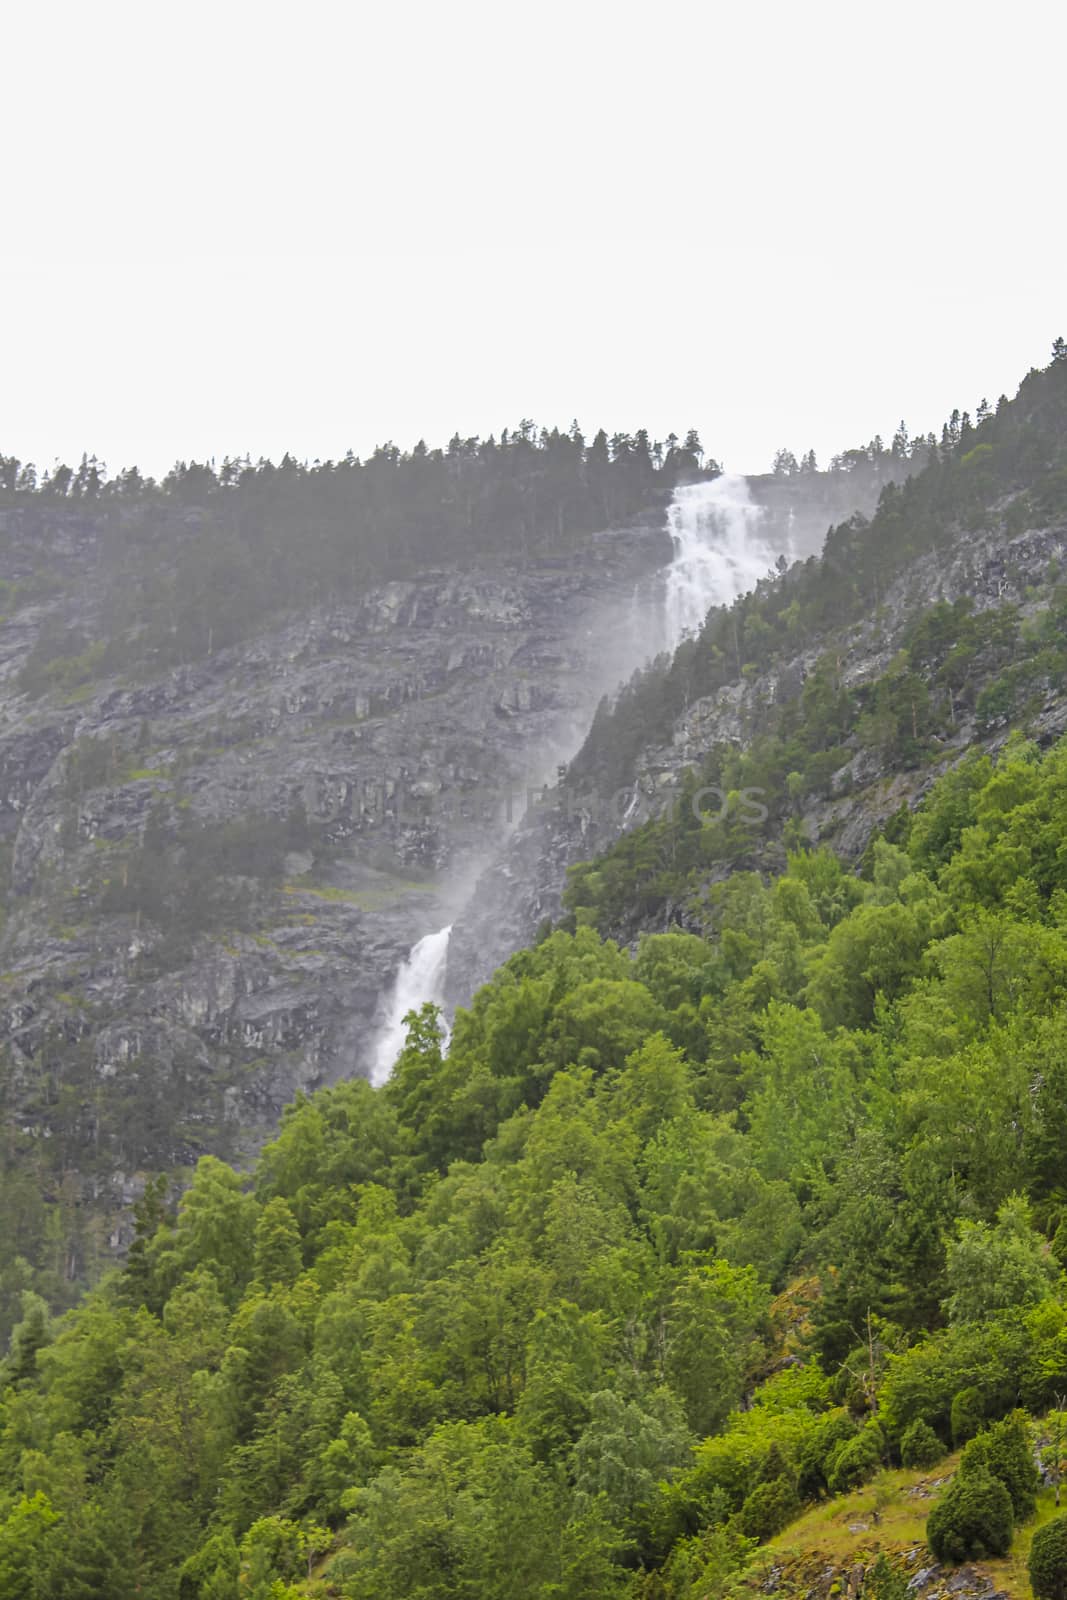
{"x":421,"y":978}
{"x":718,"y":551}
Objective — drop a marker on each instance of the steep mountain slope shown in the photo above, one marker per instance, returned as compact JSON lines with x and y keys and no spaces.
{"x":229,"y":806}
{"x":675,"y":1241}
{"x":215,"y":871}
{"x":851,"y":682}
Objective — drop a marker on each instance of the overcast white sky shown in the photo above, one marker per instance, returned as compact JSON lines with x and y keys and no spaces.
{"x":253,"y":227}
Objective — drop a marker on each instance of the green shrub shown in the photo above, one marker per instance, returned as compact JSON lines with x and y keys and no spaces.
{"x":968,"y":1415}
{"x":920,"y":1446}
{"x":858,"y":1460}
{"x":988,"y":1358}
{"x":973,"y":1518}
{"x":996,"y":702}
{"x":775,"y":1465}
{"x":819,"y":1450}
{"x":885,"y":1582}
{"x":1048,"y":1561}
{"x":1005,"y":1451}
{"x":768,"y":1508}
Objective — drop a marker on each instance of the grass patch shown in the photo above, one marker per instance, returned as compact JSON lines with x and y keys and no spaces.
{"x":350,"y":896}
{"x":372,"y":899}
{"x":76,"y":1001}
{"x":78,"y":696}
{"x":844,"y":1530}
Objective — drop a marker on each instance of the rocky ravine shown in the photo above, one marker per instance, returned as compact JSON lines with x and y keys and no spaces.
{"x":386,"y":727}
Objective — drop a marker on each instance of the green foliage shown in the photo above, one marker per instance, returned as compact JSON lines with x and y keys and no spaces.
{"x":857,"y":1460}
{"x":490,"y":1330}
{"x":625,"y":1448}
{"x":1006,"y":1451}
{"x":820,"y":1451}
{"x":1048,"y":1561}
{"x":713,"y":1320}
{"x":924,"y":1380}
{"x":705,"y":1564}
{"x":212,"y":1573}
{"x":27,"y":1337}
{"x":920,"y":1446}
{"x":22,"y":1540}
{"x":972,"y":1519}
{"x":768,"y":1507}
{"x":968,"y":1414}
{"x":277,"y":1249}
{"x":885,"y":1582}
{"x":999,"y":1268}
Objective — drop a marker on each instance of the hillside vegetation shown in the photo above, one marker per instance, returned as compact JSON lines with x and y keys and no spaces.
{"x":675,"y":1240}
{"x":667,"y":1244}
{"x":240,"y":762}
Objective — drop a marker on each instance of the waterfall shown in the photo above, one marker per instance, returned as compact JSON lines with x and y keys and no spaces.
{"x":421,"y":978}
{"x":718,"y":551}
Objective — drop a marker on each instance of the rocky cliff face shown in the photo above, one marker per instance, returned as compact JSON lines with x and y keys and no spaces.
{"x":382,"y":739}
{"x":522,"y":889}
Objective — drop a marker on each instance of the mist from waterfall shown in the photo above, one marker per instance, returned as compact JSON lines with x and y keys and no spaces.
{"x":421,"y":978}
{"x":719,"y":552}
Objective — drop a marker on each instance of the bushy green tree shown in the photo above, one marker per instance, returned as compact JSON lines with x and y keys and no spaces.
{"x":972,"y":1519}
{"x":857,"y":1459}
{"x":1047,"y":1566}
{"x":626,"y":1448}
{"x":712,"y":1323}
{"x":22,"y":1539}
{"x":212,"y":1572}
{"x":277,"y":1244}
{"x":768,"y":1507}
{"x":919,"y":1446}
{"x":1006,"y":1451}
{"x":29,"y":1335}
{"x":999,"y":1268}
{"x":819,"y":1451}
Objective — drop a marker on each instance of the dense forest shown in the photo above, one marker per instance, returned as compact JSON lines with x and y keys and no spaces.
{"x":666,"y":1244}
